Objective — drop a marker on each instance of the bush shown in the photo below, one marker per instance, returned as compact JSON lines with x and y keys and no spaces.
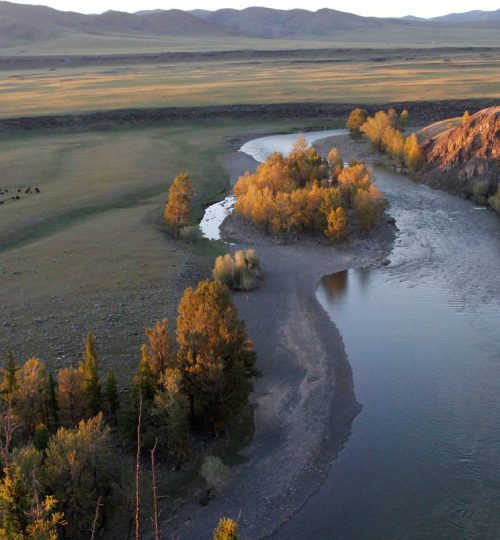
{"x":190,"y":234}
{"x":494,"y":200}
{"x":240,"y":271}
{"x":215,"y":474}
{"x":479,"y":191}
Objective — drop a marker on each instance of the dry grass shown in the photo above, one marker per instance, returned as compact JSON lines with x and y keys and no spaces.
{"x":89,"y":252}
{"x":214,"y":83}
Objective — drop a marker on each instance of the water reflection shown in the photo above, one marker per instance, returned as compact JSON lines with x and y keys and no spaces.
{"x":335,"y":286}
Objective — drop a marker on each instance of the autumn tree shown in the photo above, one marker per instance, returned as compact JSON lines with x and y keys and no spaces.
{"x":178,"y":206}
{"x":90,"y":370}
{"x":336,"y":221}
{"x":404,"y":119}
{"x":336,"y":163}
{"x":72,"y":400}
{"x":227,"y":529}
{"x":215,"y":357}
{"x":369,"y":205}
{"x":157,"y":355}
{"x":465,"y":117}
{"x":30,"y":401}
{"x":374,"y":128}
{"x":26,"y":514}
{"x":394,"y":142}
{"x":413,"y":153}
{"x":356,"y":119}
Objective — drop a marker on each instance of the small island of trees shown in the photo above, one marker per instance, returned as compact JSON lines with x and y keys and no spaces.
{"x":306,"y":193}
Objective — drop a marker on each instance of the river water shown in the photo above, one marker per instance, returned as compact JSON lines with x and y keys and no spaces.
{"x":423,"y":339}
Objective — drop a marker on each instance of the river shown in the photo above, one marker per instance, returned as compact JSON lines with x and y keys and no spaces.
{"x":423,"y":339}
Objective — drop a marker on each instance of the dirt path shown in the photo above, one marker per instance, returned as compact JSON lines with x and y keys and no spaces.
{"x":305,"y":401}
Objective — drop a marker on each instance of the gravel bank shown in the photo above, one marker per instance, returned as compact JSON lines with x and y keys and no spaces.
{"x":305,"y":401}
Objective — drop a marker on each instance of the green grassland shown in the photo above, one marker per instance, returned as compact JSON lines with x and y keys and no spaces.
{"x":370,"y":78}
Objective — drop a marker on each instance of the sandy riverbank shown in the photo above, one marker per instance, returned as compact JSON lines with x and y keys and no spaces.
{"x":305,"y":400}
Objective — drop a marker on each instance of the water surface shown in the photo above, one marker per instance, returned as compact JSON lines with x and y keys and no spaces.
{"x":423,"y":339}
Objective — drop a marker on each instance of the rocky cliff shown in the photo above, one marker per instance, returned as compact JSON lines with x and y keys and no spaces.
{"x":466,"y":159}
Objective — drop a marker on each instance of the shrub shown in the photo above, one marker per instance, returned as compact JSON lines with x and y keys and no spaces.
{"x":240,"y":271}
{"x":215,"y":474}
{"x":494,"y":200}
{"x":479,"y":191}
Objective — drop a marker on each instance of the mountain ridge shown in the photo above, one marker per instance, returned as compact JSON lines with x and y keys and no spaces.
{"x":23,"y":23}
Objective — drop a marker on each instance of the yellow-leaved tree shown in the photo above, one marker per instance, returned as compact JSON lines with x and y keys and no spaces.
{"x":178,"y":206}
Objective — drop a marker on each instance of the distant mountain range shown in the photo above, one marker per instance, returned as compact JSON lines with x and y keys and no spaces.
{"x":21,"y":24}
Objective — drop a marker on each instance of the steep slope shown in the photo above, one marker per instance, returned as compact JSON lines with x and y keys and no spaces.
{"x":460,"y":158}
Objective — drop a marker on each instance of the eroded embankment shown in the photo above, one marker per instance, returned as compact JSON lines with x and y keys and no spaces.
{"x":304,"y":402}
{"x":422,"y":112}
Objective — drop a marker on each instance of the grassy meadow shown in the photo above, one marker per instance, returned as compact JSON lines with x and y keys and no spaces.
{"x":373,"y":78}
{"x":90,"y":252}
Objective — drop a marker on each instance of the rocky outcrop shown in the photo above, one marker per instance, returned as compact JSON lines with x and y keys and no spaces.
{"x":466,"y":158}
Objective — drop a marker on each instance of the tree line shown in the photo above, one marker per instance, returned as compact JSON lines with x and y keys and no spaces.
{"x":384,"y":131}
{"x":303,"y":192}
{"x":60,"y":435}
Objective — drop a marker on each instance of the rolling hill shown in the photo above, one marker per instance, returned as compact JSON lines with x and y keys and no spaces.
{"x":27,"y":24}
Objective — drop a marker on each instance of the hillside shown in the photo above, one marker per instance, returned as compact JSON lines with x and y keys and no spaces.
{"x":466,"y":159}
{"x":25,"y":25}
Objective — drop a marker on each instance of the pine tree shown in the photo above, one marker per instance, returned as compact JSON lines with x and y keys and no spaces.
{"x":90,"y":369}
{"x":178,"y":204}
{"x":9,"y":376}
{"x":112,"y":396}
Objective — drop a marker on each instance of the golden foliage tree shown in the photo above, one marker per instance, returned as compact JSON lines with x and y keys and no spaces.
{"x":356,"y":119}
{"x":215,"y":357}
{"x":336,"y":225}
{"x":413,"y":153}
{"x":227,"y":529}
{"x":157,"y":355}
{"x":30,"y":397}
{"x":178,"y":206}
{"x":394,"y":142}
{"x":374,"y":128}
{"x":72,"y":400}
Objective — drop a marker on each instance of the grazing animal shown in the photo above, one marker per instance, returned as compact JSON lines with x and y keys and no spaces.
{"x":37,"y":190}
